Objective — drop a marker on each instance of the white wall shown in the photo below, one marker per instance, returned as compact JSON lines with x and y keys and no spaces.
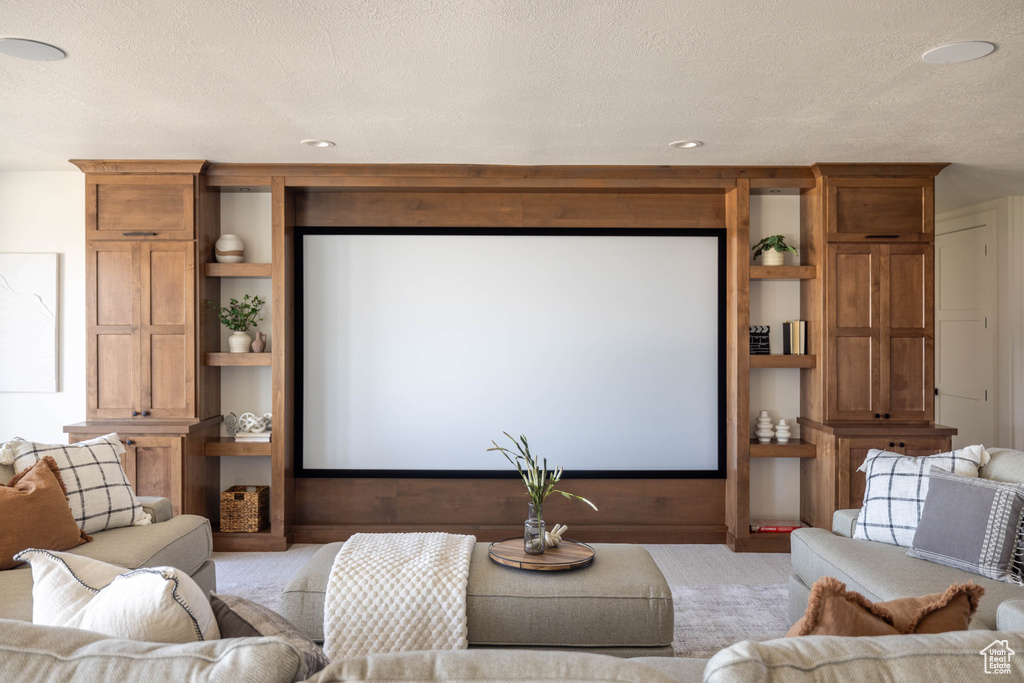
{"x":775,"y":482}
{"x":44,"y":212}
{"x":1010,"y":314}
{"x":245,"y":389}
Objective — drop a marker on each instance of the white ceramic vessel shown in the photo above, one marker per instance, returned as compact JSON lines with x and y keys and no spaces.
{"x":240,"y":342}
{"x":770,"y":257}
{"x":782,"y":432}
{"x":229,"y":249}
{"x":763,"y":430}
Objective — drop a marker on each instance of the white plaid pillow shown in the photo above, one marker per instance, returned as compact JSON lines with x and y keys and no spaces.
{"x":897,"y":486}
{"x":98,"y":489}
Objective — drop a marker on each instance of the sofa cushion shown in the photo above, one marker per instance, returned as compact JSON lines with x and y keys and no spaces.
{"x":184,"y":542}
{"x":98,"y":489}
{"x":48,"y":654}
{"x":954,"y":656}
{"x":159,"y":604}
{"x":542,"y":666}
{"x":35,"y":513}
{"x":884,"y":572}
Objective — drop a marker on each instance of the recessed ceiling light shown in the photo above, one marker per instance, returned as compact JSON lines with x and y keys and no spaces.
{"x":955,"y":53}
{"x":686,"y":144}
{"x":318,"y":143}
{"x":30,"y":49}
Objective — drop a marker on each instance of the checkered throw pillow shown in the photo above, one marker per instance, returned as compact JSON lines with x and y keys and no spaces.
{"x":897,"y":486}
{"x":98,"y":489}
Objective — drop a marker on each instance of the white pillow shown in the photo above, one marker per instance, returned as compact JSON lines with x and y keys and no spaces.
{"x":154,"y":604}
{"x":98,"y":489}
{"x":897,"y":486}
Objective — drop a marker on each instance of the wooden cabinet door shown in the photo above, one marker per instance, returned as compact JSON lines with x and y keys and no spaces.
{"x":167,"y":329}
{"x":852,"y":453}
{"x":879,"y":208}
{"x":140,"y":207}
{"x":112,"y":317}
{"x":154,"y":466}
{"x":908,"y":340}
{"x":853,"y":332}
{"x":917,"y":446}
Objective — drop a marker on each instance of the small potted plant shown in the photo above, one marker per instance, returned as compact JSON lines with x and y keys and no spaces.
{"x":239,"y":317}
{"x":540,"y":483}
{"x":774,"y":249}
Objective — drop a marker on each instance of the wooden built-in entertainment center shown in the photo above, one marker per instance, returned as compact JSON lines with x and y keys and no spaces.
{"x":154,"y":356}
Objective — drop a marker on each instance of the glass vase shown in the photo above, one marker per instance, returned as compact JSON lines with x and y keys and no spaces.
{"x":533,"y":534}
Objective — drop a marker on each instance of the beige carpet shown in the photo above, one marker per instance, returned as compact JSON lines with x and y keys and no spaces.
{"x":720,"y":597}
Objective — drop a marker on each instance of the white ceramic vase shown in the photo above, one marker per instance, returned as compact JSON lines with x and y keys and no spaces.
{"x":229,"y":249}
{"x":782,"y":432}
{"x":240,"y":342}
{"x":763,"y":430}
{"x":770,"y":257}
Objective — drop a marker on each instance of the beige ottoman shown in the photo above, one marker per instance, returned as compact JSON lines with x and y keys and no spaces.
{"x":620,"y":605}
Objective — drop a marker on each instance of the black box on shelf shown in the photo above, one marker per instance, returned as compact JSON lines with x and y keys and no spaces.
{"x":759,"y":340}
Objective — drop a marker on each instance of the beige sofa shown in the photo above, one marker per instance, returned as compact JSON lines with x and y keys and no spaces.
{"x":882,"y":572}
{"x":47,"y":654}
{"x":185,"y":542}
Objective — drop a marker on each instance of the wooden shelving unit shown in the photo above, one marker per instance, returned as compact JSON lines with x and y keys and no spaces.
{"x":765,"y":542}
{"x":779,"y":361}
{"x":239,"y":359}
{"x":796,"y":448}
{"x":238,"y":269}
{"x":783,"y":272}
{"x":226,"y":445}
{"x":261,"y":540}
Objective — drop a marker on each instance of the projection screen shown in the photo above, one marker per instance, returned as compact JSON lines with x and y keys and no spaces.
{"x":416,"y":348}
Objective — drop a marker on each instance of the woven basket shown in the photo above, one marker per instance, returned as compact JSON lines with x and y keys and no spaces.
{"x":244,"y":509}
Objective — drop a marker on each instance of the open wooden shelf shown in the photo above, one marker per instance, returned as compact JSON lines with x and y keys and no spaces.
{"x":226,"y":445}
{"x":262,"y":540}
{"x":783,"y":272}
{"x":768,"y":542}
{"x":780,"y":361}
{"x":796,"y":448}
{"x":238,"y":359}
{"x":238,"y":270}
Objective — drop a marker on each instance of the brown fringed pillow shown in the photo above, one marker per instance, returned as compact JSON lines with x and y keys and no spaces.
{"x":834,"y":611}
{"x":34,"y":509}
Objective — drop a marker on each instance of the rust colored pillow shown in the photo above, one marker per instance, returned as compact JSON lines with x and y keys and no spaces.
{"x":35,"y":513}
{"x":834,"y":611}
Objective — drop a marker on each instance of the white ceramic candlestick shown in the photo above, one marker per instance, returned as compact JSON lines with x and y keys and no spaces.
{"x":763,"y":431}
{"x":782,"y":432}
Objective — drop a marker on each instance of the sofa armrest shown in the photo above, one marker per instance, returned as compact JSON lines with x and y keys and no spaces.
{"x":158,"y":508}
{"x":1010,"y":615}
{"x":844,"y":522}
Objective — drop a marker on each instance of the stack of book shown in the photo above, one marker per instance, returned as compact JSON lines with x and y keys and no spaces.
{"x":253,"y":437}
{"x":794,"y":338}
{"x":775,"y":526}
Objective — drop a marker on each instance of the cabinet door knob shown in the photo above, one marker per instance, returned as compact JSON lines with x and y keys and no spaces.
{"x":886,"y":416}
{"x":902,"y":444}
{"x":877,"y":416}
{"x":891,"y":444}
{"x":145,"y":413}
{"x":128,"y":442}
{"x":135,"y":413}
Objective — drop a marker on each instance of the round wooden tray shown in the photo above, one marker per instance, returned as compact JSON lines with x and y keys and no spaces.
{"x":568,"y":555}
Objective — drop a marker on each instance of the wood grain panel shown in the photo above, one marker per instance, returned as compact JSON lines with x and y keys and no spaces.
{"x":141,"y":205}
{"x":854,"y":278}
{"x":158,"y":468}
{"x":907,"y":289}
{"x":282,"y":460}
{"x":114,"y":277}
{"x":737,"y":491}
{"x":167,"y":270}
{"x":407,"y":209}
{"x":881,"y":210}
{"x":907,"y":381}
{"x":112,"y":371}
{"x":854,"y":361}
{"x":207,"y":289}
{"x":547,"y":210}
{"x":167,"y":384}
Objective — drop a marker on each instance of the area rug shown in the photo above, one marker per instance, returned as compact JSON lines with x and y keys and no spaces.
{"x":709,"y":618}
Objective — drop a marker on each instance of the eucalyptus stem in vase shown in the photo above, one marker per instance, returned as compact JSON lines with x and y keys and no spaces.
{"x":540,"y":483}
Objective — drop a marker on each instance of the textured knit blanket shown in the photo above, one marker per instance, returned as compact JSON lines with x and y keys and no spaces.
{"x":397,"y":593}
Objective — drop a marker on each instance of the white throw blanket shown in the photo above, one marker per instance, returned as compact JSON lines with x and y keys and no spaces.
{"x":397,"y":593}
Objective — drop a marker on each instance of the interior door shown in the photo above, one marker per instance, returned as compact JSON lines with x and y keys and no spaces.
{"x":854,"y":332}
{"x":965,"y":329}
{"x":908,"y":352}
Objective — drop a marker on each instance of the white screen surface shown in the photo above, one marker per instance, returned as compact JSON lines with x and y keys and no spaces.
{"x":418,"y":350}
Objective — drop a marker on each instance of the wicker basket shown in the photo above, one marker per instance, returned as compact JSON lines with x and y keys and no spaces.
{"x":244,"y":508}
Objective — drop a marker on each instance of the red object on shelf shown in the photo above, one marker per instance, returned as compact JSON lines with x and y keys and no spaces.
{"x":774,"y":526}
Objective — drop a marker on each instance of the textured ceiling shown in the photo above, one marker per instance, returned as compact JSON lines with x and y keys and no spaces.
{"x":521,"y":82}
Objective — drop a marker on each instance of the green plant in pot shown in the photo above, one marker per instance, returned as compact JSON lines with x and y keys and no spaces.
{"x":239,"y":317}
{"x":540,"y":483}
{"x":774,"y":249}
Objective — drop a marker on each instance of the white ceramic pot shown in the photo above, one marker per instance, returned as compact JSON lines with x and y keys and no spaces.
{"x":770,"y":257}
{"x":240,"y":342}
{"x":229,"y":249}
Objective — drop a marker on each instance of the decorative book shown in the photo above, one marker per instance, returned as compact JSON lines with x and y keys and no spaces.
{"x":794,"y":338}
{"x":775,"y":526}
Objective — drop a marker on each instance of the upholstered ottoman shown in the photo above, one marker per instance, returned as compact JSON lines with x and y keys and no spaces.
{"x":620,"y":605}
